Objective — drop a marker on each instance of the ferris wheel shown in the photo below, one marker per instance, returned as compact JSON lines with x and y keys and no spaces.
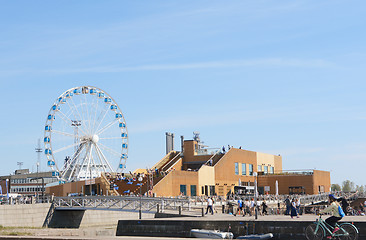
{"x":85,"y":134}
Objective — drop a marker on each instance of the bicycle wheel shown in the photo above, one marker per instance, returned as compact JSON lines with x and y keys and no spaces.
{"x":314,"y":232}
{"x":350,"y":231}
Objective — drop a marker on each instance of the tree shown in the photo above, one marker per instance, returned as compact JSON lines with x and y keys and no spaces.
{"x":360,"y":188}
{"x":348,"y":186}
{"x":335,"y":187}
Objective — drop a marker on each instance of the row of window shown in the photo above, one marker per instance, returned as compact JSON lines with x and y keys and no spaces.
{"x":28,"y":180}
{"x":244,"y":172}
{"x":26,"y":189}
{"x":183,"y":190}
{"x":265,"y":169}
{"x":244,"y":169}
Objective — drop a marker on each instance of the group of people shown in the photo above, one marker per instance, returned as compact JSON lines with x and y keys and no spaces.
{"x":292,"y":207}
{"x":246,"y":207}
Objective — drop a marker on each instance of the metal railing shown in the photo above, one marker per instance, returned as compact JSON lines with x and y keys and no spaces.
{"x":122,"y":203}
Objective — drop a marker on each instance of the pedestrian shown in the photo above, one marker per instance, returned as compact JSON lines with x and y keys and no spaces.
{"x":293,"y":209}
{"x":240,"y":207}
{"x":252,"y":206}
{"x":209,"y":205}
{"x":298,"y":206}
{"x":247,"y":207}
{"x":264,"y":207}
{"x":288,"y":205}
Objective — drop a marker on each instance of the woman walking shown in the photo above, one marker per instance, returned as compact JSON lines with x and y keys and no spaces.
{"x":293,"y":209}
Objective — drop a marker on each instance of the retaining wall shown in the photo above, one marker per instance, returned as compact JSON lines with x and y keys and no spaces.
{"x":23,"y":215}
{"x":284,"y":230}
{"x":34,"y":215}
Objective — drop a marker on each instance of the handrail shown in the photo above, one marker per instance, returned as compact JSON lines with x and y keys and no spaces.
{"x":178,"y":155}
{"x":211,"y":158}
{"x":161,"y":160}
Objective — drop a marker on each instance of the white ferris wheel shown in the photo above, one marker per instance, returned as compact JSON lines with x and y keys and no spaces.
{"x":85,"y":134}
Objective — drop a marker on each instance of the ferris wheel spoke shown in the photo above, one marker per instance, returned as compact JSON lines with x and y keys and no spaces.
{"x":102,"y":155}
{"x":95,"y":111}
{"x":82,"y":163}
{"x":72,"y":164}
{"x":110,"y":150}
{"x":100,"y":159}
{"x":106,"y":138}
{"x":67,"y":120}
{"x":87,"y":113}
{"x":63,"y":133}
{"x":75,"y":108}
{"x":65,"y":148}
{"x":107,"y":126}
{"x":104,"y":115}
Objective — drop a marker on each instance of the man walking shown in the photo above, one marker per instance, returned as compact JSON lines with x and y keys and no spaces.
{"x":209,"y":205}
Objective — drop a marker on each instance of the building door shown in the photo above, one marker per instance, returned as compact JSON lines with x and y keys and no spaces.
{"x":183,"y":190}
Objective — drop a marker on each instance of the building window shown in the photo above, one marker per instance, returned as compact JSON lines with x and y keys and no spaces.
{"x":259,"y":168}
{"x":250,"y":169}
{"x":265,"y":169}
{"x":243,"y":169}
{"x":272,"y":170}
{"x":193,"y":190}
{"x":183,"y":190}
{"x":236,"y":168}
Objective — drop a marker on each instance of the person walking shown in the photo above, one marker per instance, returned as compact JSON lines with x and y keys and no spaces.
{"x":293,"y":209}
{"x":247,"y":207}
{"x":298,"y":206}
{"x":288,"y":206}
{"x":209,"y":205}
{"x":240,"y":207}
{"x":264,"y":208}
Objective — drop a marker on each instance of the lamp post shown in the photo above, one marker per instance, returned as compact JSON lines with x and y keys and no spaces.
{"x":255,"y":174}
{"x":140,"y":180}
{"x":6,"y":186}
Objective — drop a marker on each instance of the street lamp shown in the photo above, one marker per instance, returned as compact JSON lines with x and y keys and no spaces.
{"x":255,"y":174}
{"x":140,"y":180}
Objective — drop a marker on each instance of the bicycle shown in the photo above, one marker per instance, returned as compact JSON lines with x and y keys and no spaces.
{"x":320,"y":229}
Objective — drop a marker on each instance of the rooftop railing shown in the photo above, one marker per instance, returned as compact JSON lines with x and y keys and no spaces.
{"x":207,"y":151}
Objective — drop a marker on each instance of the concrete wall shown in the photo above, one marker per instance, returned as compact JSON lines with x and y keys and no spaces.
{"x":34,"y":215}
{"x":283,"y":230}
{"x":90,"y":218}
{"x":23,"y":215}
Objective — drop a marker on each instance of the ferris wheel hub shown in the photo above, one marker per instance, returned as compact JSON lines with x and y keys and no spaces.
{"x":95,"y":138}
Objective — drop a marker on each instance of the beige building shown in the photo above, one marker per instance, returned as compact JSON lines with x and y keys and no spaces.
{"x":197,"y":171}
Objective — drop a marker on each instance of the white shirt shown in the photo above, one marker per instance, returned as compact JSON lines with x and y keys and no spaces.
{"x":209,"y":202}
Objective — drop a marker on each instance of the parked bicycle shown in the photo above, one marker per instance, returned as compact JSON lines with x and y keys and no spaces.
{"x":320,"y":229}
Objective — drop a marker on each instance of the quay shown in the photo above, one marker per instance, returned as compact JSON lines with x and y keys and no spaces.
{"x":111,"y":219}
{"x":282,"y":226}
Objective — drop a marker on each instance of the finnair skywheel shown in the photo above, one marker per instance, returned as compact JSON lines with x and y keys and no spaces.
{"x":85,"y":134}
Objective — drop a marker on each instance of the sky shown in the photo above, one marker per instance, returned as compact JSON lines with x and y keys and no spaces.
{"x":279,"y":77}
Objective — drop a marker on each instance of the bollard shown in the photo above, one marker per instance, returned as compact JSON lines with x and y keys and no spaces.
{"x":223,"y":208}
{"x":203,"y":212}
{"x":157,"y":208}
{"x":180,"y":210}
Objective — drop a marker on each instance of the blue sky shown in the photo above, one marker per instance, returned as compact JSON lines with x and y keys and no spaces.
{"x":280,"y":77}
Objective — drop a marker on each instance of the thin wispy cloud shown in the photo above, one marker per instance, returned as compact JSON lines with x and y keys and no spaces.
{"x":268,"y":62}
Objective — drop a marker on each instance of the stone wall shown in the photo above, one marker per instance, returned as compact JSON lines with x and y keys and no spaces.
{"x":23,"y":215}
{"x":34,"y":215}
